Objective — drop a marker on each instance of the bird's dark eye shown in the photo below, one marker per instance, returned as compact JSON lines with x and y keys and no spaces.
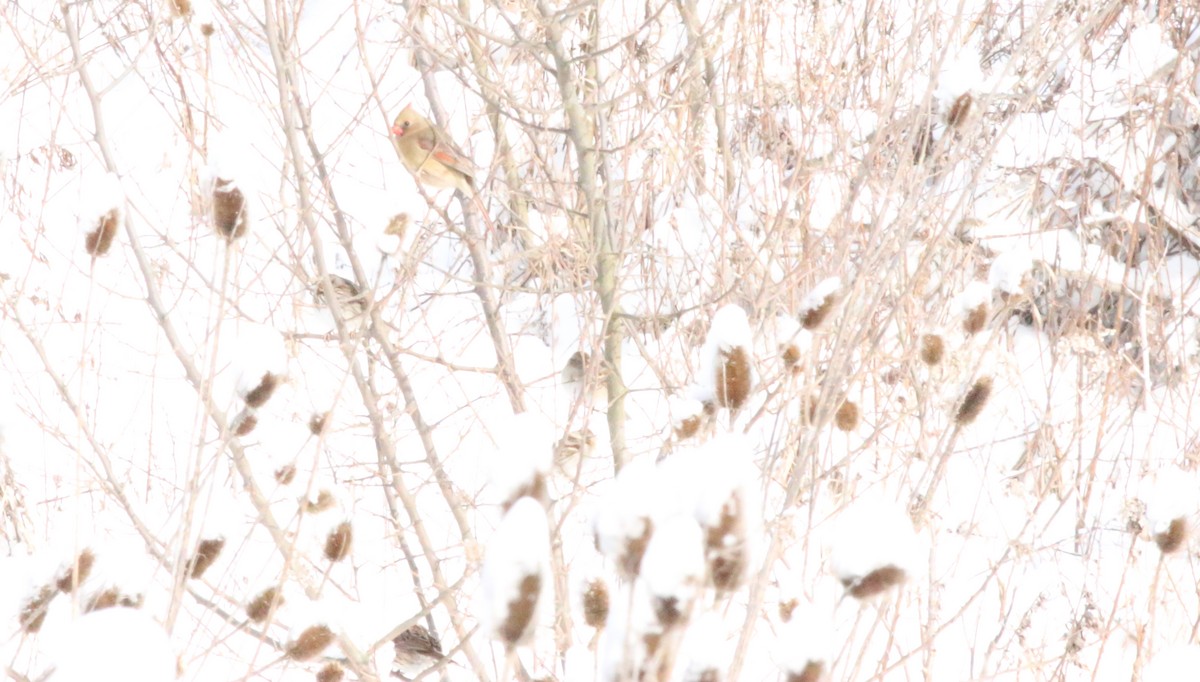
{"x":406,"y":124}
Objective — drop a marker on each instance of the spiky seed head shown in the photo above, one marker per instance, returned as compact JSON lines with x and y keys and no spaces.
{"x":708,"y":675}
{"x":975,"y":319}
{"x":819,"y":302}
{"x":205,"y":555}
{"x":337,"y":543}
{"x":875,"y":582}
{"x":317,"y":422}
{"x":245,"y":422}
{"x":98,"y":241}
{"x":324,"y":502}
{"x":285,"y":474}
{"x":206,"y":29}
{"x":534,"y":488}
{"x":960,"y":110}
{"x":229,"y":208}
{"x":688,"y":427}
{"x":33,"y":614}
{"x":521,"y":610}
{"x":933,"y":349}
{"x":182,"y":8}
{"x":635,"y":549}
{"x":260,"y":607}
{"x":973,"y":402}
{"x":846,"y":417}
{"x":311,"y":642}
{"x":260,"y":394}
{"x":725,"y":547}
{"x":397,"y":226}
{"x":332,"y":672}
{"x":791,"y":356}
{"x":667,"y":610}
{"x":107,"y":599}
{"x":77,"y":572}
{"x":733,"y":378}
{"x":595,"y":603}
{"x":1171,"y":539}
{"x":813,"y":671}
{"x":787,"y":608}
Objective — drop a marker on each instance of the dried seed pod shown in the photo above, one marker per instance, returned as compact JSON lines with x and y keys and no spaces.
{"x":846,"y":417}
{"x":933,"y":349}
{"x":1171,"y":539}
{"x":285,"y":474}
{"x":33,"y":613}
{"x":77,"y":572}
{"x":790,"y":354}
{"x":112,"y":597}
{"x":973,"y":402}
{"x":960,"y":110}
{"x":98,"y":241}
{"x":206,"y":29}
{"x":813,"y":671}
{"x":516,"y":626}
{"x":595,"y":603}
{"x":337,"y":543}
{"x":875,"y":582}
{"x":205,"y":555}
{"x":534,"y":488}
{"x":687,"y":427}
{"x":182,"y":8}
{"x":317,"y":422}
{"x":229,"y":209}
{"x":787,"y":608}
{"x":324,"y":502}
{"x":245,"y":422}
{"x":975,"y":319}
{"x":725,"y":547}
{"x":262,"y":392}
{"x":635,"y":549}
{"x":819,"y":302}
{"x":259,"y":607}
{"x":397,"y":226}
{"x":733,"y":378}
{"x":667,"y":610}
{"x":332,"y":672}
{"x":311,"y":642}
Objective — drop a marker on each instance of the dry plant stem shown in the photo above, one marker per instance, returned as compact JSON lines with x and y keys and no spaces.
{"x":383,"y":440}
{"x":194,"y":376}
{"x":581,"y":131}
{"x":482,"y":282}
{"x":700,"y":51}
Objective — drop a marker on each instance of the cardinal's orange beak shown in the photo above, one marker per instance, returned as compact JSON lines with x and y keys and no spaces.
{"x":398,"y":131}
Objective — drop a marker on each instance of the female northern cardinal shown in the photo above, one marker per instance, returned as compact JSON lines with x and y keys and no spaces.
{"x":430,"y":155}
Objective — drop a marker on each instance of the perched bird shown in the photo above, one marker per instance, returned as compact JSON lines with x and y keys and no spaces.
{"x":350,"y":299}
{"x":417,"y":649}
{"x":429,"y":155}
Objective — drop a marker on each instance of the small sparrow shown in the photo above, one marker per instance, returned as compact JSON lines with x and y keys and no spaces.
{"x":429,"y":154}
{"x":417,"y":650}
{"x":350,"y":299}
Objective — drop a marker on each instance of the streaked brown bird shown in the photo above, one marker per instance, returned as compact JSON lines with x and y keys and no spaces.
{"x":417,"y":649}
{"x":429,"y":154}
{"x":351,"y":300}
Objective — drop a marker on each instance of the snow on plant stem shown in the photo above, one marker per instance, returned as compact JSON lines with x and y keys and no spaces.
{"x":516,"y":573}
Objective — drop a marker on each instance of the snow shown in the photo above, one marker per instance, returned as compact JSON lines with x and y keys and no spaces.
{"x":872,"y":534}
{"x":673,"y":566}
{"x":1010,"y":271}
{"x":1032,"y":533}
{"x":116,"y":643}
{"x":524,"y":452}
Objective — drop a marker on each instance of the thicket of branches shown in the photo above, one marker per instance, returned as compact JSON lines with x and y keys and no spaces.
{"x":262,"y":386}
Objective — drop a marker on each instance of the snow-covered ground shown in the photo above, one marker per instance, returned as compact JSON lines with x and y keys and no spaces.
{"x":909,"y":298}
